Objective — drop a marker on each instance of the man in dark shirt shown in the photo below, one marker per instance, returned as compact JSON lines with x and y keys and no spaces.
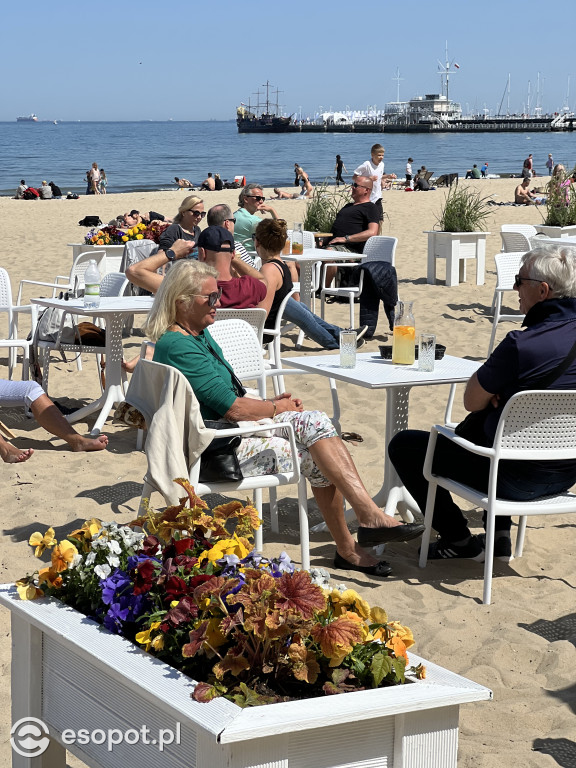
{"x":357,"y":221}
{"x":546,"y":285}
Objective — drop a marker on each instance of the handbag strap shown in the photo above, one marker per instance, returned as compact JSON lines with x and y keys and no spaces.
{"x":549,"y":378}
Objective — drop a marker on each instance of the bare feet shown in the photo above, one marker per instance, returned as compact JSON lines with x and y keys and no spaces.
{"x":79,"y":444}
{"x":12,"y":455}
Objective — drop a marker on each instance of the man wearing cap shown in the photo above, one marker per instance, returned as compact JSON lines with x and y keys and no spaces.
{"x":45,"y":191}
{"x":221,"y":216}
{"x":243,"y":287}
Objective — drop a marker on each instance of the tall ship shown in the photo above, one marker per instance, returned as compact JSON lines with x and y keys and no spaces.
{"x":27,"y":119}
{"x":262,"y":116}
{"x":432,"y":113}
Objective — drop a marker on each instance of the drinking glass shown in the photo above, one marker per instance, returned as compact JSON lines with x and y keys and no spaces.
{"x":426,"y":351}
{"x":347,"y":348}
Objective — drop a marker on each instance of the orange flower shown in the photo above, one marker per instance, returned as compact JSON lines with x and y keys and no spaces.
{"x":50,"y":576}
{"x":63,"y":555}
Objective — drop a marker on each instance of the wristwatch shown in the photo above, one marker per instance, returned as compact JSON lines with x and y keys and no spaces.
{"x":170,"y":255}
{"x":346,"y":237}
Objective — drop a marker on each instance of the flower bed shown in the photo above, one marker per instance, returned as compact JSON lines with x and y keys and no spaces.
{"x":197,"y":596}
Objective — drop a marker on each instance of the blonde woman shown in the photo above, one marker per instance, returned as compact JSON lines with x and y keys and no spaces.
{"x":184,"y":309}
{"x":178,"y":241}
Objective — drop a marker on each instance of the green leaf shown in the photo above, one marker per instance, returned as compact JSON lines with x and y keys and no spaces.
{"x":381,"y":667}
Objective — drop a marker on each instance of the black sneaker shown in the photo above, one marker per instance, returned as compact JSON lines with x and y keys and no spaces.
{"x":502,"y":547}
{"x":441,"y":549}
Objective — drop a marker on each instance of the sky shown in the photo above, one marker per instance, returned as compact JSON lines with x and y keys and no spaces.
{"x":198,"y":60}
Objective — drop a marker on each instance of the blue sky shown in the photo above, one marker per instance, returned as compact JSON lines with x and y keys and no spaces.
{"x":198,"y":60}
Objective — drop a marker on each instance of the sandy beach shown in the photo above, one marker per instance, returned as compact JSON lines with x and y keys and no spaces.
{"x":523,"y":646}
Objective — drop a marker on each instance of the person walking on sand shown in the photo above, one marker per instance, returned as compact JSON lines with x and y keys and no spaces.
{"x":338,"y":169}
{"x":103,"y":181}
{"x":94,"y":177}
{"x":374,"y":170}
{"x":409,"y":173}
{"x":550,"y":164}
{"x":30,"y":394}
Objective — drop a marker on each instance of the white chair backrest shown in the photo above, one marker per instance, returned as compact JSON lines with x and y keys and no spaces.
{"x":507,"y":266}
{"x":114,"y":284}
{"x":240,"y":347}
{"x":81,"y":265}
{"x":380,"y":248}
{"x":6,"y":297}
{"x":525,"y":229}
{"x":515,"y":240}
{"x":254,"y":317}
{"x":541,"y":424}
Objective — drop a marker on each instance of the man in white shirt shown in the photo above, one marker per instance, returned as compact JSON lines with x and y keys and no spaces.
{"x":374,"y":170}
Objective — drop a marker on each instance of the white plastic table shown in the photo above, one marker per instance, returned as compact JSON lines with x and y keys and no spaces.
{"x":307,"y":259}
{"x":372,"y":372}
{"x":113,"y":312}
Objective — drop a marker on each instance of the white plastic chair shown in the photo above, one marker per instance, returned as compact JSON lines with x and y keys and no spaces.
{"x":149,"y":369}
{"x":274,"y":354}
{"x":75,"y":280}
{"x":534,"y":425}
{"x":507,"y":267}
{"x":377,"y":248}
{"x":113,"y":284}
{"x":517,"y":237}
{"x":12,"y":342}
{"x":254,"y":317}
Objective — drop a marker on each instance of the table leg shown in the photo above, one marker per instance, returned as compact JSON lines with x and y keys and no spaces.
{"x":306,"y":271}
{"x":392,"y":494}
{"x":114,"y":389}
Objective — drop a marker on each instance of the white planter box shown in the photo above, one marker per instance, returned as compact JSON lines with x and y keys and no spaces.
{"x":73,"y":674}
{"x":113,"y":253}
{"x":456,"y":248}
{"x":556,"y":231}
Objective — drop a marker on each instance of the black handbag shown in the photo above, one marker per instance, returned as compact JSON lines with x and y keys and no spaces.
{"x":219,"y":461}
{"x":472,"y":428}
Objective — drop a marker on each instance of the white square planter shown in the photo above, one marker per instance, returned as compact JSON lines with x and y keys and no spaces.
{"x":73,"y":674}
{"x":556,"y":231}
{"x":456,"y":248}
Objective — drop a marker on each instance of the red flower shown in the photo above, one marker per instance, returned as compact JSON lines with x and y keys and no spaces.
{"x":150,"y":546}
{"x":175,"y":588}
{"x":144,"y":576}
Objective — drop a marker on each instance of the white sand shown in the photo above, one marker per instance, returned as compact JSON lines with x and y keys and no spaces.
{"x":532,"y":677}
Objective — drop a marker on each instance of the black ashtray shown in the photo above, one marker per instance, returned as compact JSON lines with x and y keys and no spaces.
{"x":386,"y":351}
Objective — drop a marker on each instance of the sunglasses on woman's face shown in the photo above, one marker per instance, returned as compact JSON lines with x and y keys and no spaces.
{"x":213,"y":298}
{"x":519,"y":280}
{"x":200,"y":214}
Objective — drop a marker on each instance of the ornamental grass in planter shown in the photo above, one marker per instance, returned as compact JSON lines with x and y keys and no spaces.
{"x":322,"y":208}
{"x":464,"y":210}
{"x":188,"y":587}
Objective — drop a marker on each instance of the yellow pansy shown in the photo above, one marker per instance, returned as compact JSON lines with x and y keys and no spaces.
{"x":124,"y":239}
{"x":139,"y":237}
{"x":63,"y":555}
{"x":144,"y":637}
{"x":90,"y":528}
{"x":41,"y":542}
{"x":404,"y":633}
{"x":234,"y":546}
{"x":28,"y":590}
{"x":378,"y":615}
{"x":49,"y":576}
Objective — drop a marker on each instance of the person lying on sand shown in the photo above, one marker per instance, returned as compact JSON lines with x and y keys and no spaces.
{"x":31,"y":395}
{"x":280,"y":195}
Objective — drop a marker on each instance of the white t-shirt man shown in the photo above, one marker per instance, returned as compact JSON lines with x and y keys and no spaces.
{"x":369,"y":169}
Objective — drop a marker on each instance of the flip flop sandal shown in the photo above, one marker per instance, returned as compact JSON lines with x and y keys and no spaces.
{"x":352,"y":437}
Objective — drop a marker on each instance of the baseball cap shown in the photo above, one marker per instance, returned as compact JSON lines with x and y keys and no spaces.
{"x":216,"y":239}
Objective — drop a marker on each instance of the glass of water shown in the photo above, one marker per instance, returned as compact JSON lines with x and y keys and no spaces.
{"x":347,"y":348}
{"x":426,"y":351}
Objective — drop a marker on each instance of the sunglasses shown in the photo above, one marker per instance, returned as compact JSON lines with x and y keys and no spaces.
{"x":257,"y":198}
{"x":519,"y":280}
{"x":213,"y":298}
{"x":200,"y":214}
{"x":358,"y":185}
{"x":232,"y":220}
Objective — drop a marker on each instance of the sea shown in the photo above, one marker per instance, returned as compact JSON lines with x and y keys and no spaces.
{"x":146,"y":156}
